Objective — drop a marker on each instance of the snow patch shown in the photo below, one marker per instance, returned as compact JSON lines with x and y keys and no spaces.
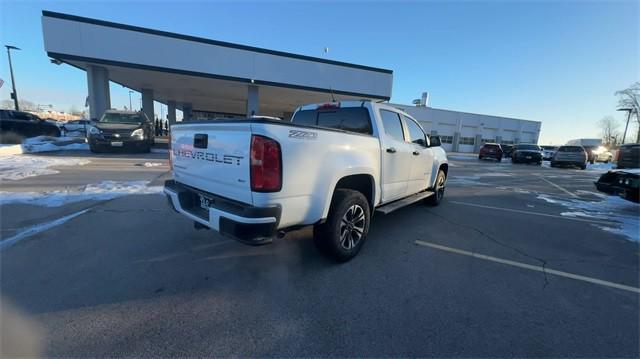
{"x":6,"y":150}
{"x":49,"y":144}
{"x":17,"y":167}
{"x":599,"y":167}
{"x":102,"y":191}
{"x":153,"y":164}
{"x":624,"y":216}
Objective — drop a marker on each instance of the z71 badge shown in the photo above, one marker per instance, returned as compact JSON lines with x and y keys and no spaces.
{"x":303,"y":135}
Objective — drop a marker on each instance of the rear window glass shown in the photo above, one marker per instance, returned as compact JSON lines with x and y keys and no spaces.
{"x":492,"y":146}
{"x":528,"y":147}
{"x":570,"y":149}
{"x":352,"y":119}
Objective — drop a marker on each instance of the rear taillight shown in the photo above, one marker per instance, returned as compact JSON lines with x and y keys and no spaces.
{"x":328,"y":106}
{"x":266,"y":164}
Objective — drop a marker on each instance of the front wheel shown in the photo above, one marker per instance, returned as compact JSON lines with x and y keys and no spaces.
{"x":343,"y":234}
{"x":438,"y":190}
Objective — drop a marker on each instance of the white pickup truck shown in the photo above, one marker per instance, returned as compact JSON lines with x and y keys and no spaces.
{"x":332,"y":166}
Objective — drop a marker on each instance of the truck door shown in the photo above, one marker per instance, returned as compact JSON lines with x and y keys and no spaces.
{"x":422,"y":158}
{"x":396,"y":156}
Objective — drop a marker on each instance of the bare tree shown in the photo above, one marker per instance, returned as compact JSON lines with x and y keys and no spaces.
{"x":609,"y":130}
{"x":630,"y":98}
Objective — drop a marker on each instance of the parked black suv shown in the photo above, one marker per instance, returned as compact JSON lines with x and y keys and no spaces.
{"x":526,"y":153}
{"x":121,"y":130}
{"x":15,"y":126}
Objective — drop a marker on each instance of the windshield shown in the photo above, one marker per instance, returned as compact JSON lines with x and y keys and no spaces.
{"x":132,"y":118}
{"x":528,"y":147}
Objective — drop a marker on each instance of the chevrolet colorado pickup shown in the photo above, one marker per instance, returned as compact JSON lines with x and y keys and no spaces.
{"x":332,"y":166}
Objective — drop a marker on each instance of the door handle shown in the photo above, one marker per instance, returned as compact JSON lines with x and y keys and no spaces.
{"x":391,"y":150}
{"x":415,"y":153}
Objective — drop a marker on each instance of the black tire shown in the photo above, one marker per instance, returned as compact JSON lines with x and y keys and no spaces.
{"x":499,"y":159}
{"x":539,"y":163}
{"x":343,"y":234}
{"x":55,"y":132}
{"x":583,"y":167}
{"x":479,"y":157}
{"x":441,"y":181}
{"x":552,"y":164}
{"x":95,"y":148}
{"x":11,"y":138}
{"x":146,"y":148}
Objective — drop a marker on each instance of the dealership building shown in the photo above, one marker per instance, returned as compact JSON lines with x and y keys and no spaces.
{"x":207,"y":78}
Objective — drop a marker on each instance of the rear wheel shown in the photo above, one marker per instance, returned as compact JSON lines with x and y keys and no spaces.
{"x":343,"y":234}
{"x":11,"y":138}
{"x":438,"y":190}
{"x":583,"y":167}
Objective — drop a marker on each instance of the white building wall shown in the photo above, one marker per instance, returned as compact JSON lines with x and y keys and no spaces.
{"x":467,"y":131}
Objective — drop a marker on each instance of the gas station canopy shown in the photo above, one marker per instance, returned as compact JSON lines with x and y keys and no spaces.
{"x":197,"y":74}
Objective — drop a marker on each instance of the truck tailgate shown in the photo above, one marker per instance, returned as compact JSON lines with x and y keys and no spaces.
{"x":213,"y":157}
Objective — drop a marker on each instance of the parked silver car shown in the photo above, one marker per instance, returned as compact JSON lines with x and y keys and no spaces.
{"x":570,"y":156}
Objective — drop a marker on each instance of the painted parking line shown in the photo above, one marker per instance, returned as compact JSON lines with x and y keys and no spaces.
{"x":530,"y":267}
{"x":560,"y":188}
{"x":557,"y":216}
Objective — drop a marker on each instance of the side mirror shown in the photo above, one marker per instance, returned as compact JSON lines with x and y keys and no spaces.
{"x":435,"y":141}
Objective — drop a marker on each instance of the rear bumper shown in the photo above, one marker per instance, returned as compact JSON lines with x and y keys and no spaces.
{"x":568,"y":163}
{"x":243,"y":222}
{"x":496,"y":155}
{"x":127,"y":143}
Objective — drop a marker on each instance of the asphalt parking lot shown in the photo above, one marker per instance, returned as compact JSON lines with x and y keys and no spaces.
{"x":519,"y":260}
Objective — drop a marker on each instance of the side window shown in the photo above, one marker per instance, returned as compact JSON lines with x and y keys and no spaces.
{"x":392,"y":124}
{"x":415,"y":132}
{"x":21,"y":117}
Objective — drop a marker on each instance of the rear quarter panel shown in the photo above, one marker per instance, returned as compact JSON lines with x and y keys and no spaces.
{"x":313,"y":161}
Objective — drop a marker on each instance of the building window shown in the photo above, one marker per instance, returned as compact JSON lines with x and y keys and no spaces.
{"x":467,"y":140}
{"x":507,"y":142}
{"x":446,"y":139}
{"x":488,"y":140}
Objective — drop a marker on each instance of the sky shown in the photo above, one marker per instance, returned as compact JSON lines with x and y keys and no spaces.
{"x":558,"y":62}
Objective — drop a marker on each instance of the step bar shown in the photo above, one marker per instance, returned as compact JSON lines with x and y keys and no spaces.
{"x":390,"y":207}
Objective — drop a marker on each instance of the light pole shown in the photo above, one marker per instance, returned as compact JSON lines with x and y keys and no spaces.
{"x":130,"y":108}
{"x":629,"y":111}
{"x":14,"y":94}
